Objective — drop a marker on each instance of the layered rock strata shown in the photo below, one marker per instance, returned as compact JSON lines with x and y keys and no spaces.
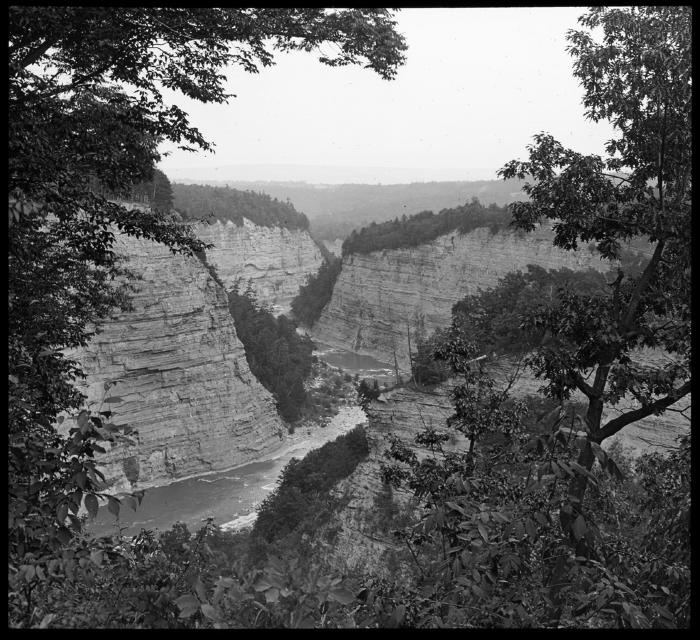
{"x":381,"y":296}
{"x":276,"y":261}
{"x":179,"y":376}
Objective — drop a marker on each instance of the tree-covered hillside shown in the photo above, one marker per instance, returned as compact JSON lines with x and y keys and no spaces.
{"x":425,"y":226}
{"x":277,"y":355}
{"x":336,"y":210}
{"x":315,"y":294}
{"x":195,"y":201}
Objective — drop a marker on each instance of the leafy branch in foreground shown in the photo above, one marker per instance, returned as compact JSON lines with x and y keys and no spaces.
{"x":87,"y":116}
{"x":638,"y":78}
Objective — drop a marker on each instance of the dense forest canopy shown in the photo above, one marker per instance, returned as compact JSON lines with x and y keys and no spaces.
{"x":197,"y":202}
{"x":425,"y":226}
{"x":494,"y":319}
{"x":316,"y":292}
{"x":278,"y":356}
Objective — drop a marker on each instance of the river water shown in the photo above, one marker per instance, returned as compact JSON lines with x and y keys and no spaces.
{"x":231,"y":497}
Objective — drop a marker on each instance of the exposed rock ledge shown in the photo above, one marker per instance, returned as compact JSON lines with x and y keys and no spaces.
{"x":180,"y":374}
{"x":379,"y":295}
{"x":276,"y":260}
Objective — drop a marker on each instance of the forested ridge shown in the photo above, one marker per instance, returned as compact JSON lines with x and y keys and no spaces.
{"x":334,"y":211}
{"x":425,"y":226}
{"x":202,"y":202}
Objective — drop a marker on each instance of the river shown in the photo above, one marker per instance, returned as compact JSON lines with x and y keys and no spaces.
{"x":232,"y":496}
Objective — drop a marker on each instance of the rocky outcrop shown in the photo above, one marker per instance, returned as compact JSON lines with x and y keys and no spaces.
{"x":276,"y":260}
{"x":179,"y":376}
{"x":361,"y":530}
{"x":381,"y":295}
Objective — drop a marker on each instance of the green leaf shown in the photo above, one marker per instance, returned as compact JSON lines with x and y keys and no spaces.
{"x":272,"y":595}
{"x":479,"y":592}
{"x":210,"y":612}
{"x":261,"y":584}
{"x":454,"y":506}
{"x":80,"y":479}
{"x":46,"y":620}
{"x":62,"y":512}
{"x":91,"y":504}
{"x":531,"y":528}
{"x":579,"y":527}
{"x":187,"y":604}
{"x":113,"y":399}
{"x":83,"y":419}
{"x":483,"y":532}
{"x":113,"y":505}
{"x":199,"y":589}
{"x":341,"y":595}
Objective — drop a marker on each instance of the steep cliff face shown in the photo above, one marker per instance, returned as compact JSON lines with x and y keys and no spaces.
{"x":379,"y":295}
{"x":179,"y":373}
{"x":362,"y":538}
{"x":276,"y":260}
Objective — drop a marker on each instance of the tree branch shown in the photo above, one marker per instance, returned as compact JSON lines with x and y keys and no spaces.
{"x":642,"y":284}
{"x":582,"y":385}
{"x":39,"y":51}
{"x":613,"y":426}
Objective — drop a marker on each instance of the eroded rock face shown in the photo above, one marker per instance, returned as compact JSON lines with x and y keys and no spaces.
{"x":180,"y":374}
{"x":377,"y":296}
{"x":277,"y":261}
{"x":360,"y":532}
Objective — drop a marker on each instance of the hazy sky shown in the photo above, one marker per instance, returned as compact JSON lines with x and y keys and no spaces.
{"x":476,"y":86}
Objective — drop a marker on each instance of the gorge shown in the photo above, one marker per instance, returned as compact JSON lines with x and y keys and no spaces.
{"x":173,"y":367}
{"x":381,"y":296}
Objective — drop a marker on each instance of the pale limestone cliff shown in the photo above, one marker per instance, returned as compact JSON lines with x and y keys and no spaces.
{"x":180,"y":374}
{"x":378,"y":296}
{"x":276,"y":260}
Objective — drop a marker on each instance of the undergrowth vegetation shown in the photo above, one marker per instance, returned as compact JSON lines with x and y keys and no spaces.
{"x":302,"y":502}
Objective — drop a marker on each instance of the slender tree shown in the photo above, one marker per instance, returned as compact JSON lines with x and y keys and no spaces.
{"x":634,"y":65}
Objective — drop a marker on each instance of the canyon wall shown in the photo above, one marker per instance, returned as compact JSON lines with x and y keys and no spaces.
{"x":379,"y":295}
{"x":179,"y":374}
{"x":276,"y":260}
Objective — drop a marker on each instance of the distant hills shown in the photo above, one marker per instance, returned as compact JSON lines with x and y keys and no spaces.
{"x":334,"y":211}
